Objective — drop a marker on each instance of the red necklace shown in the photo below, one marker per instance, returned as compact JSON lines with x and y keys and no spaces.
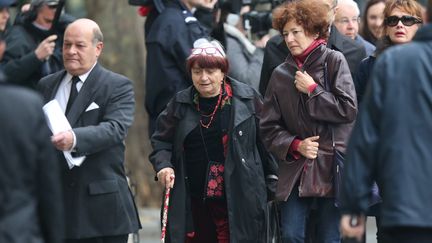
{"x":212,"y":115}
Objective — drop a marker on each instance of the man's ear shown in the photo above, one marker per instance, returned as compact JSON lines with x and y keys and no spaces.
{"x":99,"y":47}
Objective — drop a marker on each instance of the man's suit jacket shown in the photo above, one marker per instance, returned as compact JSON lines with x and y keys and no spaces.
{"x":97,"y":198}
{"x":276,"y":52}
{"x":31,"y":208}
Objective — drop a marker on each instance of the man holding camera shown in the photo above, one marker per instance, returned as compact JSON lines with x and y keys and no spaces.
{"x":33,"y":50}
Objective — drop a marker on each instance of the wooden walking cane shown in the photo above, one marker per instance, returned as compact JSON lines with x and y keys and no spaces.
{"x":165,"y":211}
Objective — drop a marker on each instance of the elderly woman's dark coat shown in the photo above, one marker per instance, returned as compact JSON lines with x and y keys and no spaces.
{"x":245,"y":164}
{"x":288,"y":114}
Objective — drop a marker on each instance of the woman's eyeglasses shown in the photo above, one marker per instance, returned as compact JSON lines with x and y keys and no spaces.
{"x":406,"y":20}
{"x":211,"y":51}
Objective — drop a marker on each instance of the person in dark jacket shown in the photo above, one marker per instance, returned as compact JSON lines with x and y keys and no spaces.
{"x":394,"y":34}
{"x":390,"y":145}
{"x":168,"y":44}
{"x":31,"y":208}
{"x":310,"y":104}
{"x":208,"y":138}
{"x":33,"y":51}
{"x":276,"y":51}
{"x":396,"y":31}
{"x":4,"y":15}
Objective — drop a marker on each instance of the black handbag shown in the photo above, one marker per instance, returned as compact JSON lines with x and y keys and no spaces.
{"x":273,"y":233}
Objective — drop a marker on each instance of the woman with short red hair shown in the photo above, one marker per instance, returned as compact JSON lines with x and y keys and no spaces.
{"x":309,"y":104}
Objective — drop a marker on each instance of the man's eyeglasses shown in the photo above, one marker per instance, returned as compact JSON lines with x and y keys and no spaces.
{"x":52,"y":6}
{"x":211,"y":51}
{"x":346,"y":21}
{"x":406,"y":20}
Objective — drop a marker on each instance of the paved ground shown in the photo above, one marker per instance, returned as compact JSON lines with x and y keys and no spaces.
{"x":150,"y":233}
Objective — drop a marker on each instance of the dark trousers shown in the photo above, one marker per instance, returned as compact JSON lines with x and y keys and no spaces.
{"x":405,"y":235}
{"x":103,"y":239}
{"x":210,"y":222}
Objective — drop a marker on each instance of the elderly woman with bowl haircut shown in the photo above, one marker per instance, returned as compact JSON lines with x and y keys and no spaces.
{"x":309,"y":104}
{"x":207,"y":149}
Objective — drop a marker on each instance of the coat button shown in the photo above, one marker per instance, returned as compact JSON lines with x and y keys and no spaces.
{"x":243,"y":160}
{"x":240,"y":133}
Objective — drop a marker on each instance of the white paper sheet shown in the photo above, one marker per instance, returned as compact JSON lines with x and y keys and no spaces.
{"x":58,"y":122}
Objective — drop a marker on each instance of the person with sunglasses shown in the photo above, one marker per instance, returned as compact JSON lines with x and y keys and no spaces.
{"x":402,"y":19}
{"x":207,"y":148}
{"x":390,"y":142}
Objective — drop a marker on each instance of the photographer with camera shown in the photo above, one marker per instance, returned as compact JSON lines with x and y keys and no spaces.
{"x":276,"y":50}
{"x":245,"y":57}
{"x":33,"y":46}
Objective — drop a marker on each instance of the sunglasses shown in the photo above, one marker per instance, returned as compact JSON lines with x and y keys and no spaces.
{"x":406,"y":20}
{"x":211,"y":51}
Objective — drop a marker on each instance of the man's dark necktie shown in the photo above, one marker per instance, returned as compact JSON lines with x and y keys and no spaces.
{"x":73,"y":93}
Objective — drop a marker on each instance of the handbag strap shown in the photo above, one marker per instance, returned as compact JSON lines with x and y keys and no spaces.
{"x":328,"y":88}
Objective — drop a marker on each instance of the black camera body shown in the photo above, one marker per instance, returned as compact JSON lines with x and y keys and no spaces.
{"x":259,"y":22}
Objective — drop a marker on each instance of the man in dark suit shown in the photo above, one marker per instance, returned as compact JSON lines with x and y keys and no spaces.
{"x":31,"y":208}
{"x":99,"y":105}
{"x":276,"y":51}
